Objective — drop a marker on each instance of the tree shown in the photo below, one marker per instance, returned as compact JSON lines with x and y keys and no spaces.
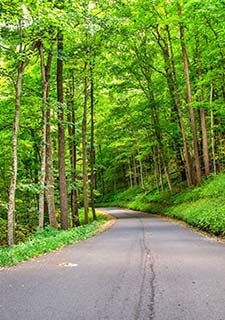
{"x":190,"y":102}
{"x":92,"y":151}
{"x":61,"y":136}
{"x":21,"y":65}
{"x":84,"y":143}
{"x":47,"y":179}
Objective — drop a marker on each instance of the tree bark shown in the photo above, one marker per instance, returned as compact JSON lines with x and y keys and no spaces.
{"x":12,"y":189}
{"x":73,"y":154}
{"x":43,"y":147}
{"x":50,"y":190}
{"x":84,"y":145}
{"x":205,"y":148}
{"x":92,"y":151}
{"x":61,"y":138}
{"x":212,"y":131}
{"x":47,"y":179}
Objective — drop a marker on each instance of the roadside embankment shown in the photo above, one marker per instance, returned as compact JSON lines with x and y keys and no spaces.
{"x":202,"y":207}
{"x":49,"y":239}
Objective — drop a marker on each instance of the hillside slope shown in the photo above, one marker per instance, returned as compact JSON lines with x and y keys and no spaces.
{"x":202,"y":207}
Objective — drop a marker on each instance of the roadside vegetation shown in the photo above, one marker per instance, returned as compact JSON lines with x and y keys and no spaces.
{"x":202,"y":207}
{"x":49,"y":239}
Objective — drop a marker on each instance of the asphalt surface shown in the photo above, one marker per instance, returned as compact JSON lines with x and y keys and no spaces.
{"x":143,"y":268}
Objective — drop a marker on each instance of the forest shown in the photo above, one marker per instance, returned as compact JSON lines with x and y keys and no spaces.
{"x":97,"y":97}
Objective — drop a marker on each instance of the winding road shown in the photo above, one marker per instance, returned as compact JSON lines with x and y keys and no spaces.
{"x":142,"y":268}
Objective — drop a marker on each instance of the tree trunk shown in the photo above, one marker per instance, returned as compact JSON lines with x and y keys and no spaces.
{"x":49,"y":192}
{"x":84,"y":146}
{"x":61,"y":138}
{"x":212,"y":131}
{"x":155,"y":166}
{"x":73,"y":155}
{"x":190,"y":101}
{"x":141,"y":170}
{"x":12,"y":189}
{"x":205,"y":147}
{"x":92,"y":151}
{"x":43,"y":147}
{"x":49,"y":179}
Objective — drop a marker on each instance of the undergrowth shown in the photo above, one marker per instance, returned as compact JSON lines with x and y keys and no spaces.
{"x":202,"y":207}
{"x":48,"y":240}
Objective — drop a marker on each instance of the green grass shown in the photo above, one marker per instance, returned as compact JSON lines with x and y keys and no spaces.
{"x":151,"y":201}
{"x":48,"y":240}
{"x":202,"y":207}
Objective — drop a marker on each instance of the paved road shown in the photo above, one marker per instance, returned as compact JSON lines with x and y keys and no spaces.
{"x":143,"y":268}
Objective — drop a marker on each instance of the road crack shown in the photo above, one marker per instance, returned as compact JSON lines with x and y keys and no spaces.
{"x":145,"y":307}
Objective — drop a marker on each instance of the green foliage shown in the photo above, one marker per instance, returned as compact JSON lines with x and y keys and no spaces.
{"x":202,"y":207}
{"x":205,"y":214}
{"x":138,"y":141}
{"x":137,"y":198}
{"x":3,"y":231}
{"x":47,"y":240}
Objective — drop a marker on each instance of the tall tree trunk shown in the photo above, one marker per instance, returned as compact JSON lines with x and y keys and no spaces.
{"x":204,"y":141}
{"x":205,"y":147}
{"x":73,"y":154}
{"x":12,"y":189}
{"x":47,"y":179}
{"x":141,"y":173}
{"x":155,"y":166}
{"x":190,"y":101}
{"x":43,"y":147}
{"x":84,"y":145}
{"x":92,"y":151}
{"x":50,"y":190}
{"x":61,"y":138}
{"x":140,"y":169}
{"x":212,"y":131}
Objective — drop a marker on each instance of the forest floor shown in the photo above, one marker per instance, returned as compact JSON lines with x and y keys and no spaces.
{"x":142,"y":268}
{"x":201,"y":207}
{"x":48,"y":239}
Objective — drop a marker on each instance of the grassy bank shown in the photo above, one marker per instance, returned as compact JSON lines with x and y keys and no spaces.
{"x":202,"y":207}
{"x":48,"y":240}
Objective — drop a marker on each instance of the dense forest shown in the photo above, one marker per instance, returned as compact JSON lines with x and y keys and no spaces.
{"x":101,"y":96}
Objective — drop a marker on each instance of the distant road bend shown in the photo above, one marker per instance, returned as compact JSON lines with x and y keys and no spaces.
{"x":143,"y":268}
